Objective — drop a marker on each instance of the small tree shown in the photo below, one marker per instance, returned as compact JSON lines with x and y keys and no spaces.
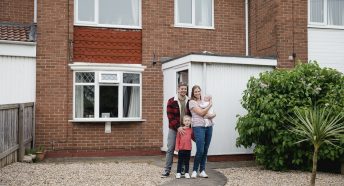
{"x":318,"y":126}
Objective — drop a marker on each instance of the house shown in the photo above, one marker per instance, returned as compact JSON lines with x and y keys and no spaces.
{"x":17,"y":55}
{"x":104,"y":69}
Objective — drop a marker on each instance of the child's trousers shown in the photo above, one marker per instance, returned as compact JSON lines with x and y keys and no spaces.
{"x":183,"y":159}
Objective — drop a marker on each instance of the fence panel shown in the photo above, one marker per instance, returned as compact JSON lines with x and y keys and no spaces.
{"x":13,"y":138}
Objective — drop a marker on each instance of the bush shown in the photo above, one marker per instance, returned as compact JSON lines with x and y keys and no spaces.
{"x":273,"y":96}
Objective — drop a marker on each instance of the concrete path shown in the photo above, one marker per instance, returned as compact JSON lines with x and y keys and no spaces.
{"x":215,"y":178}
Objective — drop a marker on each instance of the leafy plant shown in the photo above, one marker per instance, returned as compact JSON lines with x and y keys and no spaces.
{"x":318,"y":126}
{"x":274,"y":95}
{"x":40,"y":149}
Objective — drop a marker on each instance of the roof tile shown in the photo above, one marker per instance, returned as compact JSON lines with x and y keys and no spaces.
{"x":17,"y":32}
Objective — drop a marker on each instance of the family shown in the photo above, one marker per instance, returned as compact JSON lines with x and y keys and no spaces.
{"x":189,"y":119}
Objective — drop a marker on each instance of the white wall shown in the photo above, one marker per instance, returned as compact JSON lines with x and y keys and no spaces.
{"x":170,"y":90}
{"x":226,"y":83}
{"x":17,"y":79}
{"x":327,"y":47}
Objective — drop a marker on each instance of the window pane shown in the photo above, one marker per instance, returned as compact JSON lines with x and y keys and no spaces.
{"x":86,"y":10}
{"x":131,"y":101}
{"x":317,"y":11}
{"x":131,"y":78}
{"x":84,"y":77}
{"x":184,"y":11}
{"x":108,"y":101}
{"x":119,"y":12}
{"x":203,"y":12}
{"x":84,"y":101}
{"x":335,"y":12}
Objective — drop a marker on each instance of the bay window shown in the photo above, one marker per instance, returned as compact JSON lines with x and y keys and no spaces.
{"x":326,"y":13}
{"x":108,"y":13}
{"x":194,"y":13}
{"x":106,"y":95}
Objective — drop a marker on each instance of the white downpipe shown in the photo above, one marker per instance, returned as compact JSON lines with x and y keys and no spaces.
{"x":35,"y":11}
{"x":246,"y":25}
{"x":204,"y":79}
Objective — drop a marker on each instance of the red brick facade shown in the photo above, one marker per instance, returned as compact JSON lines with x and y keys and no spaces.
{"x":107,"y":45}
{"x":270,"y":35}
{"x":17,"y":11}
{"x":278,"y":29}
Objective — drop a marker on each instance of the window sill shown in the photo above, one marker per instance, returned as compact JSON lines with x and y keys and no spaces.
{"x":109,"y":26}
{"x":194,"y":27}
{"x":101,"y":120}
{"x":326,"y":27}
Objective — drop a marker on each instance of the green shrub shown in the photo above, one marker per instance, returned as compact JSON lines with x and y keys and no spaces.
{"x":273,"y":96}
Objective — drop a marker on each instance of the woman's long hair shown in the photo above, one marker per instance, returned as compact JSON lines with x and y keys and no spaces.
{"x":192,"y":92}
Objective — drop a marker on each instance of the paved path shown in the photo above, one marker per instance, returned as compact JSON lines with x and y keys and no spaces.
{"x":215,"y":178}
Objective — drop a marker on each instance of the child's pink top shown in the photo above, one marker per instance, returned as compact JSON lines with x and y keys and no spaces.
{"x":183,"y":142}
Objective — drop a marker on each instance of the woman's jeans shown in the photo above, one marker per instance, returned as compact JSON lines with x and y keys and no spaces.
{"x":202,"y":138}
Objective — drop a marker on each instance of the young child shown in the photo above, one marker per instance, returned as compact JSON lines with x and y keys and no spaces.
{"x":183,"y":146}
{"x":208,"y":118}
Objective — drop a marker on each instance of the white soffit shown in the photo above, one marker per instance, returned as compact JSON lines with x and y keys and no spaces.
{"x":17,"y":48}
{"x":80,"y":66}
{"x":219,"y":59}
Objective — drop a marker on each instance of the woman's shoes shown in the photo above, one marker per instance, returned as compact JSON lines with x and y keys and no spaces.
{"x":203,"y":174}
{"x":194,"y":174}
{"x":187,"y":175}
{"x":178,"y":175}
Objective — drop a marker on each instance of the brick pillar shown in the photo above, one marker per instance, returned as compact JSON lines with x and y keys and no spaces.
{"x":291,"y":28}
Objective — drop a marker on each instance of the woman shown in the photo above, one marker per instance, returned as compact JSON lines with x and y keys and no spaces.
{"x":202,"y":134}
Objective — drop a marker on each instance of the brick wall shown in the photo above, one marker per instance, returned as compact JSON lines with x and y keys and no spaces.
{"x":54,"y":98}
{"x":54,"y":78}
{"x":268,"y":37}
{"x":262,"y":30}
{"x":18,"y":11}
{"x":107,"y":45}
{"x":278,"y":28}
{"x":159,"y":36}
{"x":291,"y":28}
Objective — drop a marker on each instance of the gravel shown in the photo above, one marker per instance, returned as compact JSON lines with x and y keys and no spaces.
{"x":143,"y":172}
{"x":257,"y":176}
{"x":81,"y":173}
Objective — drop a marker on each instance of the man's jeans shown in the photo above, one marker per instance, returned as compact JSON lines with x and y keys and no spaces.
{"x":171,"y":143}
{"x":202,"y":138}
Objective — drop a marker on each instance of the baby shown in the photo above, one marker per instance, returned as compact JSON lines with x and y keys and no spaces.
{"x":208,"y":118}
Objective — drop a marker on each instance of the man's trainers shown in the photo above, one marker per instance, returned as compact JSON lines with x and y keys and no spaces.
{"x":178,"y":175}
{"x":194,"y":174}
{"x":203,"y":175}
{"x":165,"y":174}
{"x":187,"y":175}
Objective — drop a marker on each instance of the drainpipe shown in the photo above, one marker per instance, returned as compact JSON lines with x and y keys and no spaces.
{"x":35,"y":11}
{"x":204,"y":79}
{"x":246,"y":25}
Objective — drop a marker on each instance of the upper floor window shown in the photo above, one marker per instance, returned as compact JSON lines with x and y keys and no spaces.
{"x":108,"y":13}
{"x":326,"y":12}
{"x":194,"y":13}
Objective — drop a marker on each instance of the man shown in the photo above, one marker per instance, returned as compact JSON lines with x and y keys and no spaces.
{"x":177,"y":107}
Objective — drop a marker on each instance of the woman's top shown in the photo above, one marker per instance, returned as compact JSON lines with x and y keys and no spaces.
{"x":197,"y":120}
{"x":183,"y":142}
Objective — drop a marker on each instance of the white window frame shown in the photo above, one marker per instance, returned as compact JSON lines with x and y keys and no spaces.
{"x":112,"y":68}
{"x":323,"y":24}
{"x":192,"y":25}
{"x":96,"y":17}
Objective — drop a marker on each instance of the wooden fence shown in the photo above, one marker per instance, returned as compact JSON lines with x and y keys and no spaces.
{"x":17,"y":130}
